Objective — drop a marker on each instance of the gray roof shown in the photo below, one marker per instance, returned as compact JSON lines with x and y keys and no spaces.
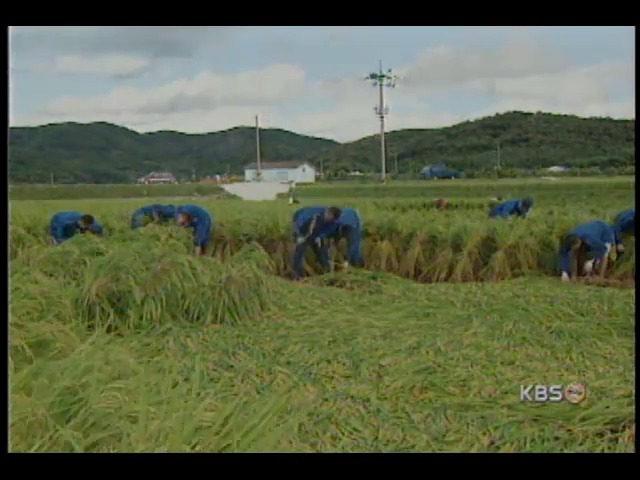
{"x":273,"y":165}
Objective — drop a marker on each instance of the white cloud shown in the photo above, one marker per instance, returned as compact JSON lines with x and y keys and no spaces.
{"x":520,"y":76}
{"x":112,"y":65}
{"x":154,"y":42}
{"x":345,"y":123}
{"x":276,"y":84}
{"x":574,"y":88}
{"x":446,"y":66}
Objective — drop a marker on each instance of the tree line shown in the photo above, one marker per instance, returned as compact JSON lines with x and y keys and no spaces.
{"x":515,"y":142}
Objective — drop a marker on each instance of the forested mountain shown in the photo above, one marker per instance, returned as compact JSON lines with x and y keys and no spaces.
{"x":520,"y":140}
{"x":105,"y":153}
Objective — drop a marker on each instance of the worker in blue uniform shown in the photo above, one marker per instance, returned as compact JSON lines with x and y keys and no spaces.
{"x":199,"y":220}
{"x":585,"y":248}
{"x":64,"y":225}
{"x":153,"y":213}
{"x":312,"y":227}
{"x":623,"y":225}
{"x":515,"y":207}
{"x":349,"y":227}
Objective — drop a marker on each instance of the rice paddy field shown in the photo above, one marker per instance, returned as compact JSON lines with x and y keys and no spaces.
{"x":128,"y":343}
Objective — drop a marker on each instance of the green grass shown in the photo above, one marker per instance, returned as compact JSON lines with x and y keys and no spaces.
{"x":129,"y":344}
{"x":570,"y":189}
{"x":462,"y":188}
{"x":64,"y":192}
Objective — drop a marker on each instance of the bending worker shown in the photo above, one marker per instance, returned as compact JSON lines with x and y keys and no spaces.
{"x":349,"y":227}
{"x":156,"y":213}
{"x":199,"y":220}
{"x":509,"y":208}
{"x":65,"y":225}
{"x":312,"y":226}
{"x":595,"y":239}
{"x":624,"y":224}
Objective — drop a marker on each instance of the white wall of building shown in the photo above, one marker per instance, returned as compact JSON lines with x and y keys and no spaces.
{"x":303,"y":174}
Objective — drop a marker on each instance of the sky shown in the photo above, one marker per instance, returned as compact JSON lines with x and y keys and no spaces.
{"x":311,"y":80}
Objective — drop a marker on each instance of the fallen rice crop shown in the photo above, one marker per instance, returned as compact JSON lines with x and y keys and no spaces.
{"x":128,"y":343}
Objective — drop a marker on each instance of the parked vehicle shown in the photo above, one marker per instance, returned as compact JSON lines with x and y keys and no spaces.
{"x":158,"y":177}
{"x":439,"y":172}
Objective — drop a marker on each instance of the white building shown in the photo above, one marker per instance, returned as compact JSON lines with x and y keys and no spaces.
{"x":557,"y":168}
{"x":298,"y":172}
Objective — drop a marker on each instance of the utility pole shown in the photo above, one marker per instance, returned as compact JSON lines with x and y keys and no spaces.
{"x":322,"y":168}
{"x":382,"y":80}
{"x":498,"y":156}
{"x":394,"y":154}
{"x":52,"y":178}
{"x":258,"y":147}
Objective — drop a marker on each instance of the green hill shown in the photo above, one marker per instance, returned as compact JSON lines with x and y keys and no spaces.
{"x":525,"y":140}
{"x":105,"y":153}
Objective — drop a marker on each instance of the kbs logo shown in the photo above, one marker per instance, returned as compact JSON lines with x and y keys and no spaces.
{"x":575,"y":393}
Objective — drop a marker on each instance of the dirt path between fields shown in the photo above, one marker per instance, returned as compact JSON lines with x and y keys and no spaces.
{"x":256,"y":191}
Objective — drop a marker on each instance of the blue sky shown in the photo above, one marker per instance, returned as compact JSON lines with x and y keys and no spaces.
{"x":310,"y":79}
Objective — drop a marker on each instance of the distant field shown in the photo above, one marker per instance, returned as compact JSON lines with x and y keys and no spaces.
{"x":507,"y":188}
{"x":128,"y":343}
{"x":343,"y":190}
{"x":58,"y":192}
